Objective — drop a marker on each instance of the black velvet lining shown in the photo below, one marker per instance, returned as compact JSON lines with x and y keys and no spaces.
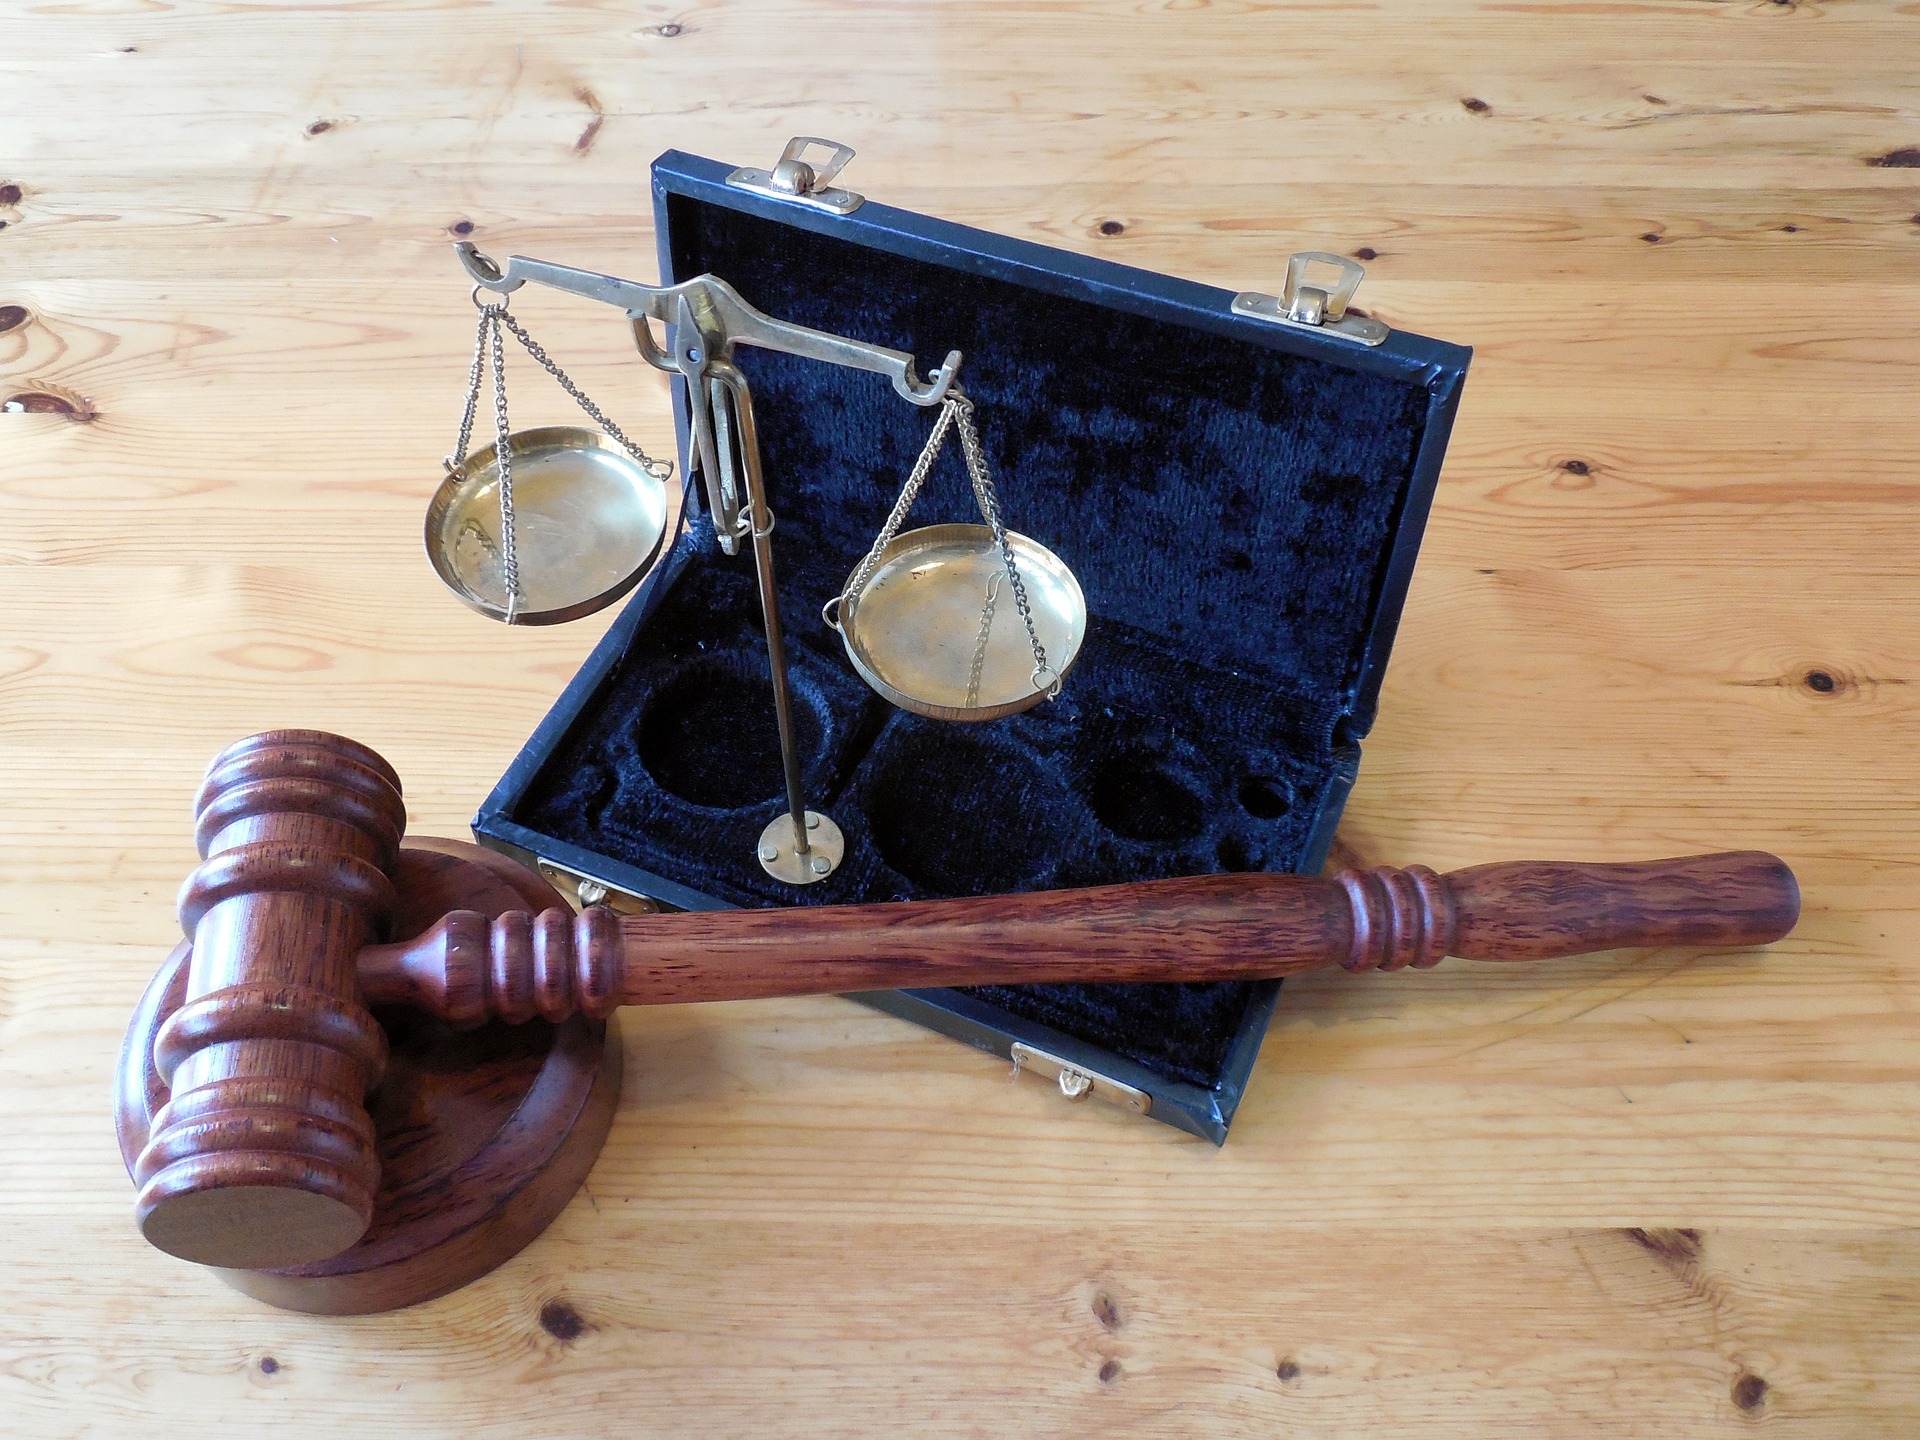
{"x":1227,"y":509}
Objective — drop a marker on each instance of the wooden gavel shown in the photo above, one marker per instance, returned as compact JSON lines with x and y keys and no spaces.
{"x":264,"y":1154}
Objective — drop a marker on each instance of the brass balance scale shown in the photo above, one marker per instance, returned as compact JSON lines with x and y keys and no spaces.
{"x":552,"y":524}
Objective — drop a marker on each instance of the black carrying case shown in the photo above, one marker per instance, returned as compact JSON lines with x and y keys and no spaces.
{"x":1241,"y":499}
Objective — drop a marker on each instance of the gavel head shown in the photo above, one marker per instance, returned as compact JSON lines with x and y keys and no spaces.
{"x":264,"y":1156}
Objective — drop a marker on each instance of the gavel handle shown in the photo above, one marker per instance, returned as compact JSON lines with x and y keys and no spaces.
{"x":1207,"y":927}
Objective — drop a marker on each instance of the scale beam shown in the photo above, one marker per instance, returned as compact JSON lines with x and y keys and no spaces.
{"x":721,"y":316}
{"x":720,"y":320}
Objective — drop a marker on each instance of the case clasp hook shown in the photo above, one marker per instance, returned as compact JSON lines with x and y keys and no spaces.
{"x":1318,"y":307}
{"x":1078,"y":1083}
{"x":795,"y":178}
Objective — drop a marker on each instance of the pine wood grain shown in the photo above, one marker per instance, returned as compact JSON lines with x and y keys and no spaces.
{"x":1666,"y":604}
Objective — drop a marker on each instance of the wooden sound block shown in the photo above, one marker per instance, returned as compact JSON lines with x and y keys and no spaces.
{"x":483,"y":1135}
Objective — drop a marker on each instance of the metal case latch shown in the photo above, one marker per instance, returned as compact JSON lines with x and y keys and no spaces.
{"x":1320,"y":308}
{"x":793,"y":178}
{"x":585,"y":890}
{"x":1077,"y":1083}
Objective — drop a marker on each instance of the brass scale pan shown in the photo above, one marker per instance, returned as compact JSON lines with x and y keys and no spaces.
{"x":589,"y":521}
{"x":934,"y":629}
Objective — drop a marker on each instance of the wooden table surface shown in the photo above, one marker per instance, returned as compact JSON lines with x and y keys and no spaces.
{"x":1667,"y":603}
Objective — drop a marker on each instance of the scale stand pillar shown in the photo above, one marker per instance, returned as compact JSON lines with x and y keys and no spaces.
{"x":803,"y":846}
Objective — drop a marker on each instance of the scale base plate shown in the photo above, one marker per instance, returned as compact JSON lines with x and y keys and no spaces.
{"x":826,"y":847}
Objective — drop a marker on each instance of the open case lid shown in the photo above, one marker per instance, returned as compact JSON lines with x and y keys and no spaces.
{"x":1276,"y":472}
{"x":1240,"y":496}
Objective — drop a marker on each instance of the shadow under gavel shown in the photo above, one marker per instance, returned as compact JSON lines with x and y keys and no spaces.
{"x":263,"y":1155}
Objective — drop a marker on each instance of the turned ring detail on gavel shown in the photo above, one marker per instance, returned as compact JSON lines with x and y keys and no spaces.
{"x":264,"y":1155}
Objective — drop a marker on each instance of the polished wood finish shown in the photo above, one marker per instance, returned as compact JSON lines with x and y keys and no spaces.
{"x":483,"y":1135}
{"x":1527,"y":911}
{"x":1204,"y":927}
{"x":1662,"y":606}
{"x":254,"y":1163}
{"x":263,"y":1154}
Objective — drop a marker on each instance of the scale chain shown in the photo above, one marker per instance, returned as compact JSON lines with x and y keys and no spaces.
{"x":980,"y":642}
{"x":955,"y":408}
{"x":457,"y":461}
{"x":658,"y":469}
{"x":488,"y":351}
{"x":503,"y":465}
{"x":990,"y":508}
{"x":909,"y":492}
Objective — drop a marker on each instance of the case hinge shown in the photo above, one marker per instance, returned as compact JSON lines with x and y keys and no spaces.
{"x":793,"y":178}
{"x":1077,"y":1082}
{"x":1320,"y":308}
{"x":584,"y":890}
